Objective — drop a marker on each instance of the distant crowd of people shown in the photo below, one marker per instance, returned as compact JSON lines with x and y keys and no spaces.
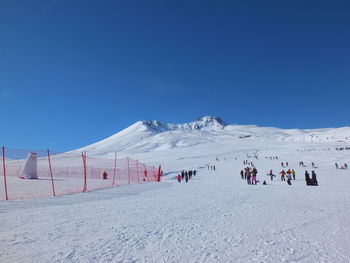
{"x":211,"y":167}
{"x":345,"y":166}
{"x":186,"y":175}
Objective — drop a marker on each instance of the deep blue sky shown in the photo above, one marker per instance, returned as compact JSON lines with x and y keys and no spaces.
{"x":74,"y":72}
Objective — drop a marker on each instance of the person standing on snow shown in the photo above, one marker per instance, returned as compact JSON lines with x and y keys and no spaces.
{"x":271,"y":175}
{"x":289,"y":178}
{"x":307,"y":178}
{"x":282,"y":173}
{"x":336,"y":165}
{"x":248,"y":175}
{"x":313,"y":178}
{"x":254,"y":172}
{"x":293,"y":174}
{"x":242,"y":174}
{"x":179,"y":178}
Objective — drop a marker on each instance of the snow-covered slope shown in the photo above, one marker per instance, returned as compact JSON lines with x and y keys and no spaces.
{"x":204,"y":134}
{"x":215,"y":217}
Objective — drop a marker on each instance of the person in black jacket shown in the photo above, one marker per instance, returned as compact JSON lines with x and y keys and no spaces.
{"x":307,"y":178}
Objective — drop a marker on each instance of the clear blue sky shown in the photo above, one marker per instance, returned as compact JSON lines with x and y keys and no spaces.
{"x":74,"y":72}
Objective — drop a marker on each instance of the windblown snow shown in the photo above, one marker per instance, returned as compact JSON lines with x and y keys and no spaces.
{"x":215,"y":217}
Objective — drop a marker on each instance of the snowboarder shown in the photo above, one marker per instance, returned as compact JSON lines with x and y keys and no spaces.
{"x":289,"y":178}
{"x":271,"y":175}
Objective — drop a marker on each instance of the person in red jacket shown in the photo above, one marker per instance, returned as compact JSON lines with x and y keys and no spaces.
{"x":179,"y":178}
{"x":282,"y":173}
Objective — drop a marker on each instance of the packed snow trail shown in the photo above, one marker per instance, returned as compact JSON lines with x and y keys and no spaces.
{"x":215,"y":217}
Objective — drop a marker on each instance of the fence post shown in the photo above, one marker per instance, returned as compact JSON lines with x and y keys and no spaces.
{"x":52,"y":183}
{"x":159,"y":173}
{"x":137,"y":170}
{"x":128,"y":170}
{"x":84,"y":163}
{"x":115,"y":168}
{"x":4,"y":166}
{"x":144,"y":173}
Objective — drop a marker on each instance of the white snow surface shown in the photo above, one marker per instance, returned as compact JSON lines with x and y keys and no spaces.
{"x":215,"y":217}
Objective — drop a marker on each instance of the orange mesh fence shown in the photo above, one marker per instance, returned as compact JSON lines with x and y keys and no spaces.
{"x":66,"y":173}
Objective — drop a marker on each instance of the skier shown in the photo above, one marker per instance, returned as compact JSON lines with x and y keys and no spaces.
{"x":345,"y":166}
{"x":336,"y":165}
{"x":293,"y":174}
{"x":242,"y":174}
{"x":282,"y":164}
{"x":194,"y":172}
{"x":289,"y":172}
{"x":312,"y":164}
{"x":182,"y":174}
{"x":214,"y":167}
{"x":282,"y":173}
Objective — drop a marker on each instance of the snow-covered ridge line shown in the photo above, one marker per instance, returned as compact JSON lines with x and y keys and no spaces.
{"x":149,"y":136}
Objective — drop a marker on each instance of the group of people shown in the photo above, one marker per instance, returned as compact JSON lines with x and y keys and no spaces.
{"x":211,"y":167}
{"x":249,"y":174}
{"x":284,"y":164}
{"x":186,"y":175}
{"x":246,"y":162}
{"x":345,"y":166}
{"x":289,"y":174}
{"x":312,"y":180}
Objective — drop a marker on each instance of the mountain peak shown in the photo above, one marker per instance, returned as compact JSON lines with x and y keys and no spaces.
{"x":212,"y":120}
{"x":200,"y":123}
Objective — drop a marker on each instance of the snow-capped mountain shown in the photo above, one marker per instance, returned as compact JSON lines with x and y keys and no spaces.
{"x":153,"y":136}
